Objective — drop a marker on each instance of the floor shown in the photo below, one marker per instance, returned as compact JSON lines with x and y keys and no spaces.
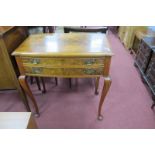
{"x":127,"y":104}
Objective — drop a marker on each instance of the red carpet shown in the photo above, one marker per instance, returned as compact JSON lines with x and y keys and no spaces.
{"x":127,"y":105}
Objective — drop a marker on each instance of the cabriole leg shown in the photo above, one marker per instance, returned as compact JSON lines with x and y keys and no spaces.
{"x":25,"y":86}
{"x":107,"y":83}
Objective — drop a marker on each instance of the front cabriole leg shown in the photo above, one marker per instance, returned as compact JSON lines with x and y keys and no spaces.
{"x":107,"y":84}
{"x":25,"y":86}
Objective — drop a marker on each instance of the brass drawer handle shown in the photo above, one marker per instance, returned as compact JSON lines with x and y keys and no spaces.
{"x":90,"y":71}
{"x":36,"y":70}
{"x":89,"y":61}
{"x":35,"y":61}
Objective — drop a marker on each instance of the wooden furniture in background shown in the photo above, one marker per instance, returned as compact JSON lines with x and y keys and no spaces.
{"x":145,"y":61}
{"x":139,"y":35}
{"x":17,"y":120}
{"x":41,"y":29}
{"x":102,"y":29}
{"x":10,"y":38}
{"x":70,"y":55}
{"x":127,"y":34}
{"x":145,"y":53}
{"x":150,"y":76}
{"x":113,"y":29}
{"x":143,"y":56}
{"x":48,"y":29}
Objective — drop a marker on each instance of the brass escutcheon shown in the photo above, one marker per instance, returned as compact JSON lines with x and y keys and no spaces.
{"x":35,"y":61}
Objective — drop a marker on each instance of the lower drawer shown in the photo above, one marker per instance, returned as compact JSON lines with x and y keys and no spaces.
{"x":63,"y":72}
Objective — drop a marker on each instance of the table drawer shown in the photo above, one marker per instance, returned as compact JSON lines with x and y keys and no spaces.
{"x":59,"y":62}
{"x":40,"y":71}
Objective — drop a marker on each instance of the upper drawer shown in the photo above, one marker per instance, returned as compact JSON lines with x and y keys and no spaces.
{"x":65,"y":62}
{"x":63,"y":72}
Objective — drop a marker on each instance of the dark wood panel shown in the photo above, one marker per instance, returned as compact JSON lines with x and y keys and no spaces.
{"x":142,"y":61}
{"x":5,"y":76}
{"x":10,"y":38}
{"x":143,"y":56}
{"x":145,"y":60}
{"x":150,"y":73}
{"x":14,"y":38}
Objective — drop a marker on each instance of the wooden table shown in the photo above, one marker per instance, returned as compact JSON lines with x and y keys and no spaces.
{"x":17,"y":120}
{"x":65,"y":55}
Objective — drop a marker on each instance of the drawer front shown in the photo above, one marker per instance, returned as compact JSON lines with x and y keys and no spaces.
{"x":59,"y":62}
{"x":63,"y":72}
